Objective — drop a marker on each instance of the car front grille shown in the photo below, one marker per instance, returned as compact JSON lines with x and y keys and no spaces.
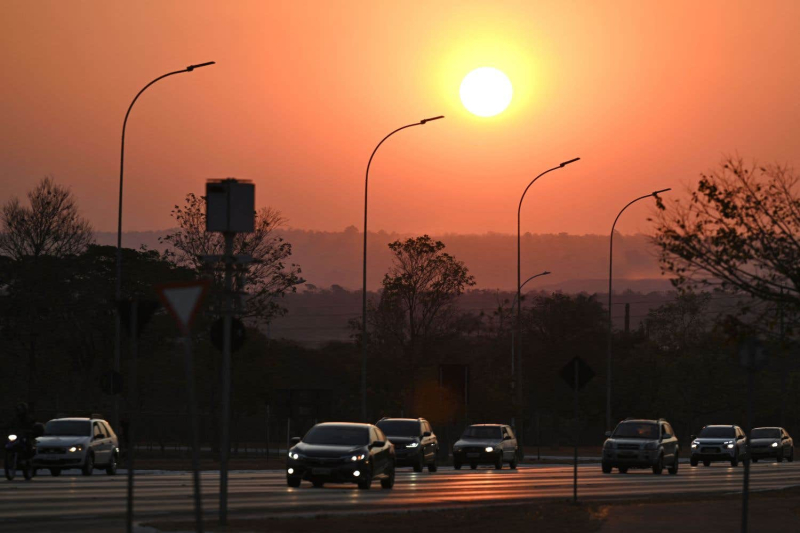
{"x":322,"y":460}
{"x":51,"y":450}
{"x":709,"y":449}
{"x":473,"y":449}
{"x":627,"y":446}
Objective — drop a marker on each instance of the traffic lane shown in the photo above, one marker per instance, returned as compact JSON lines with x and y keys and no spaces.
{"x":265,"y":493}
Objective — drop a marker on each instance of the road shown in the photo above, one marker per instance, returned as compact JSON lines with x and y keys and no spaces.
{"x":76,"y":503}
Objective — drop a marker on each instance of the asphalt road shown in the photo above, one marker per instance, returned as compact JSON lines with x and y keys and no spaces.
{"x":76,"y":503}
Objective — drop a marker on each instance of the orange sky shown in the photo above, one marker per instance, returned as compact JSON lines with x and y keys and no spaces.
{"x":648,"y":94}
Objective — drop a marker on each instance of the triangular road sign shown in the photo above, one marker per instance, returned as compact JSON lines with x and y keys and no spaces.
{"x":183,"y":299}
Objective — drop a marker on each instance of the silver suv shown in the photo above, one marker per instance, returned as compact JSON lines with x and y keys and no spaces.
{"x":85,"y":443}
{"x":719,"y":443}
{"x":638,"y":443}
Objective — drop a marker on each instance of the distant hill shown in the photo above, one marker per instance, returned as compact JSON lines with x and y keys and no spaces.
{"x":579,"y":263}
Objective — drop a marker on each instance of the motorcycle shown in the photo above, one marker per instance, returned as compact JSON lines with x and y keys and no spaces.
{"x":19,"y":456}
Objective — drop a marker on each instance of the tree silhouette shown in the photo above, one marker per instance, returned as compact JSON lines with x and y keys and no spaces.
{"x":264,"y":280}
{"x":50,"y":226}
{"x":740,"y":229}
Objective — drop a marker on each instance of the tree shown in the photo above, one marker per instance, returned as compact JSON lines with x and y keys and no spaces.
{"x":740,"y":229}
{"x":50,"y":226}
{"x":416,"y":306}
{"x":265,"y":279}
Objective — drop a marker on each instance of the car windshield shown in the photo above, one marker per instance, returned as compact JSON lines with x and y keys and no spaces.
{"x":482,"y":432}
{"x":338,"y":435}
{"x":68,"y":428}
{"x":717,"y":432}
{"x":636,"y":430}
{"x":765,"y":433}
{"x":400,"y":428}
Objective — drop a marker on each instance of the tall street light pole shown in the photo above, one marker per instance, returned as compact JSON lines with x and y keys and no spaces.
{"x":513,"y":336}
{"x":118,"y":288}
{"x":519,"y":286}
{"x":364,"y":287}
{"x":653,"y":194}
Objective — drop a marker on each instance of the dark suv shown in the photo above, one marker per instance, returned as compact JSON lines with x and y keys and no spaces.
{"x":341,"y":453}
{"x":637,"y":443}
{"x":415,"y":444}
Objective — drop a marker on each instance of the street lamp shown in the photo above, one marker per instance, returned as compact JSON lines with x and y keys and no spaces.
{"x":519,"y":275}
{"x":118,"y":291}
{"x":654,"y":194}
{"x":513,"y":303}
{"x":364,"y":287}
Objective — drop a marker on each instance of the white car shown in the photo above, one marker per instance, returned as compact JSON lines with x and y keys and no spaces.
{"x":719,"y":443}
{"x":84,"y":443}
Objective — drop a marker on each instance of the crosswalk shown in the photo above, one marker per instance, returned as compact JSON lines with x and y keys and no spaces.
{"x":100,"y":498}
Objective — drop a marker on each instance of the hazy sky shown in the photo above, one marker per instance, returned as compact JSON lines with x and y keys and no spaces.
{"x":647,"y":93}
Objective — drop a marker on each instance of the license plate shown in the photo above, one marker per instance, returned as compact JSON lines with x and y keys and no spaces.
{"x":473,"y":455}
{"x":321,"y":471}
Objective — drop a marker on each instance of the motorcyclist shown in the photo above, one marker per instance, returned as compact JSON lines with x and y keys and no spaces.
{"x":25,"y":427}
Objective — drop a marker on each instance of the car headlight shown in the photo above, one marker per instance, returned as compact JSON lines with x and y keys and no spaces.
{"x":694,"y":444}
{"x":730,"y":445}
{"x":774,"y":444}
{"x":294,"y":455}
{"x":412,"y":445}
{"x":359,"y":457}
{"x":489,"y":449}
{"x":12,"y":438}
{"x":78,"y":448}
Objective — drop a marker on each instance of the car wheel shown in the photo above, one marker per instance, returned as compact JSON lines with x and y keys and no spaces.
{"x":693,"y":461}
{"x":432,"y":467}
{"x":293,"y":481}
{"x":498,"y":465}
{"x":10,"y":465}
{"x":419,"y":464}
{"x":674,"y":468}
{"x":623,"y":469}
{"x":28,"y":471}
{"x":606,"y":468}
{"x":473,"y":466}
{"x":88,"y":466}
{"x":55,"y":472}
{"x":365,"y":483}
{"x":513,"y":464}
{"x":735,"y":462}
{"x":456,"y":465}
{"x":706,"y":462}
{"x":318,"y":484}
{"x":111,"y":469}
{"x":388,"y":483}
{"x":791,"y":456}
{"x":659,"y":466}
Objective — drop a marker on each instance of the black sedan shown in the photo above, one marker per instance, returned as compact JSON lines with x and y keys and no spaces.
{"x":340,"y":452}
{"x":771,"y":443}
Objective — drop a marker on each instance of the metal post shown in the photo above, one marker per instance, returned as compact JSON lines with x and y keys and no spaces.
{"x":784,"y":365}
{"x":190,"y":395}
{"x":226,"y":379}
{"x":575,"y":460}
{"x":131,"y":410}
{"x":654,"y":194}
{"x":751,"y":374}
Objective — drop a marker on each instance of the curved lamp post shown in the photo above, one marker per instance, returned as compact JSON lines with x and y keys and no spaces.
{"x":654,"y":194}
{"x":519,"y":276}
{"x":513,"y":336}
{"x":364,"y":287}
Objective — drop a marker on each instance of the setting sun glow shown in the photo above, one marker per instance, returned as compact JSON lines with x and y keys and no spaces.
{"x":486,"y":92}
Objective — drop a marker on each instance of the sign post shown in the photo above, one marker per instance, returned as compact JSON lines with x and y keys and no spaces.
{"x":183,"y":301}
{"x":753,"y":357}
{"x":576,"y":374}
{"x":230,"y":209}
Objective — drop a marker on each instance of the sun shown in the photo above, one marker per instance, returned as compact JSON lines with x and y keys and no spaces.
{"x":486,"y":91}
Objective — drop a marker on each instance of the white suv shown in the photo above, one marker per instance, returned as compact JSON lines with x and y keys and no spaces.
{"x":85,"y":443}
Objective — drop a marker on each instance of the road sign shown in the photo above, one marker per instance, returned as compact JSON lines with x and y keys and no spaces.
{"x":753,"y":354}
{"x":182,"y":300}
{"x":238,"y":334}
{"x":585,"y":373}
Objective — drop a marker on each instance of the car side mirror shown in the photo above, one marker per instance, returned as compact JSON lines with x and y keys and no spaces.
{"x":785,"y":437}
{"x":99,"y":436}
{"x":608,"y":434}
{"x":740,"y":437}
{"x":666,"y":436}
{"x":378,"y":444}
{"x":294,"y":441}
{"x":426,"y":434}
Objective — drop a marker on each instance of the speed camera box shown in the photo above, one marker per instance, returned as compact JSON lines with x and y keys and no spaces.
{"x":230,"y":206}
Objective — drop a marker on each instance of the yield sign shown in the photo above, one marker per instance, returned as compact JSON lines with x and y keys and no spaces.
{"x":183,"y":299}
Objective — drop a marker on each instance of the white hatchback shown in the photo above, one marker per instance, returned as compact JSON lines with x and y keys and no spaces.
{"x":84,"y":443}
